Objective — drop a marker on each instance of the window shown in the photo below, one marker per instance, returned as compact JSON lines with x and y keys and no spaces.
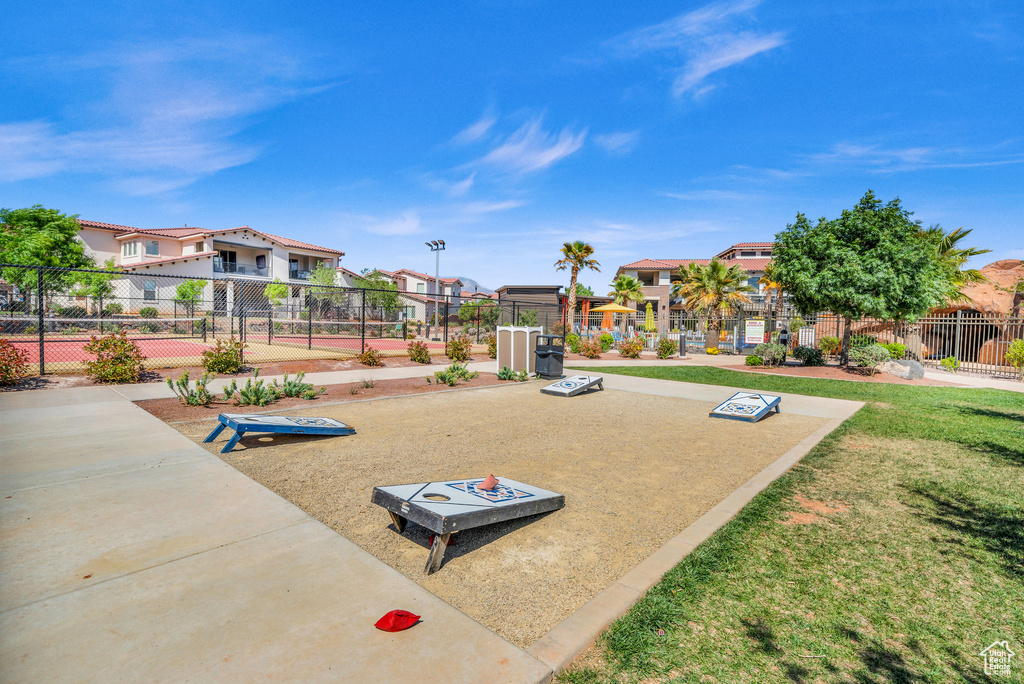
{"x":766,"y":254}
{"x":748,"y":254}
{"x":420,"y":288}
{"x":410,"y":312}
{"x":130,"y":249}
{"x":149,"y":290}
{"x":152,"y":248}
{"x":199,"y":247}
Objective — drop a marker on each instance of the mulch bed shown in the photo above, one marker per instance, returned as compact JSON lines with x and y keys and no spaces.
{"x":838,"y":373}
{"x":172,"y":410}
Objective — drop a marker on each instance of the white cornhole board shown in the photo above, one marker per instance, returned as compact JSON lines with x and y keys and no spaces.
{"x":454,"y":505}
{"x":573,"y":385}
{"x":747,"y":406}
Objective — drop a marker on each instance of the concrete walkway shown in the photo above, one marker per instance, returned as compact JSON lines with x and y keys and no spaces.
{"x":127,"y":553}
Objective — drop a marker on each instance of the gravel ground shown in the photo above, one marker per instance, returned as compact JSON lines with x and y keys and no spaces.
{"x":635,"y":470}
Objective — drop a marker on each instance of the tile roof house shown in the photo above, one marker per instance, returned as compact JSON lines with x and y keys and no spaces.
{"x":241,"y":254}
{"x":657,"y":275}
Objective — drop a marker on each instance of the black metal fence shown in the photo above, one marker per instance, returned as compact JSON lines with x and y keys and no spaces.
{"x":52,"y":313}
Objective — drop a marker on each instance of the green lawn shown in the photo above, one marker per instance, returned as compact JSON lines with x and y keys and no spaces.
{"x":916,"y":565}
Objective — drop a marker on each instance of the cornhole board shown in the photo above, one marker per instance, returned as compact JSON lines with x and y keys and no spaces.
{"x":289,"y":425}
{"x":747,"y":406}
{"x":454,"y":505}
{"x":573,"y":385}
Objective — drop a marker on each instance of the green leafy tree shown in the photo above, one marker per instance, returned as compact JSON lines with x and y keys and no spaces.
{"x":583,"y":291}
{"x":871,"y":261}
{"x":485,"y":311}
{"x":41,"y":237}
{"x":97,"y":286}
{"x":323,"y":287}
{"x":576,"y":256}
{"x":380,"y":292}
{"x":276,"y":292}
{"x":190,"y":293}
{"x":711,"y":290}
{"x":770,"y":281}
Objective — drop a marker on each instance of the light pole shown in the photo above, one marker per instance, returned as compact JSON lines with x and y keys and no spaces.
{"x":436,"y":246}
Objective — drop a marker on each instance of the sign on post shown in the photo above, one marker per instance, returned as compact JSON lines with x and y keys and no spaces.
{"x":754,"y":332}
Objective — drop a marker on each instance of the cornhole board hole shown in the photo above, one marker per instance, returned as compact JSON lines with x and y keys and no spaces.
{"x":288,"y":425}
{"x":573,"y":385}
{"x":454,"y":505}
{"x":747,"y":406}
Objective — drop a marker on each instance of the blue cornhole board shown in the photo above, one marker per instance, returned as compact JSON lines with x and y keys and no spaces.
{"x":288,"y":425}
{"x":747,"y":406}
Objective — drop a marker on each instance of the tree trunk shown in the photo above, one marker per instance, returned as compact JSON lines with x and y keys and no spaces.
{"x":570,"y":308}
{"x":844,"y":356}
{"x":711,"y":338}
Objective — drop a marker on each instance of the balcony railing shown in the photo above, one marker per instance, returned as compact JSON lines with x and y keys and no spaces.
{"x":240,"y":269}
{"x":298,"y":275}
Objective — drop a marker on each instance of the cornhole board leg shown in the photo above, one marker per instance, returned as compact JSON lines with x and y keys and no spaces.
{"x":436,"y":553}
{"x":399,"y":521}
{"x":216,"y":431}
{"x":233,"y":441}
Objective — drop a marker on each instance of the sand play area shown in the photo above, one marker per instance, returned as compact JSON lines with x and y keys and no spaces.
{"x":635,"y":470}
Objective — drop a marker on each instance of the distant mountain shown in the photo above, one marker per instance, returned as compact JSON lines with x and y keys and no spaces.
{"x":470,"y":285}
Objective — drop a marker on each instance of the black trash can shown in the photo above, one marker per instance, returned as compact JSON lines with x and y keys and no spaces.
{"x":550,"y":356}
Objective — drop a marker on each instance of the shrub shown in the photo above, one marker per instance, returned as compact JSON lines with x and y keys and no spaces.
{"x":199,"y":396}
{"x":72,"y":312}
{"x":896,"y":350}
{"x":861,"y":340}
{"x":809,"y":355}
{"x":112,"y":309}
{"x":255,"y":393}
{"x":528,"y":318}
{"x":507,"y":373}
{"x":13,"y":363}
{"x":591,"y":349}
{"x":754,"y":361}
{"x":148,"y":312}
{"x":70,"y":330}
{"x":631,"y":347}
{"x":771,"y":354}
{"x":1015,"y":356}
{"x":370,"y":357}
{"x":457,"y":348}
{"x":451,"y":375}
{"x":118,"y":359}
{"x":297,"y":388}
{"x":667,"y":347}
{"x":950,"y":363}
{"x":830,"y":345}
{"x":418,"y":352}
{"x":870,"y":356}
{"x":606,"y":341}
{"x":572,"y":343}
{"x":558,"y":329}
{"x":224,"y":357}
{"x":492,"y":345}
{"x":30,"y":330}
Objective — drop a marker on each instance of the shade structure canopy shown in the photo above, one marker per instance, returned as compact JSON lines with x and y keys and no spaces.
{"x":612,"y":307}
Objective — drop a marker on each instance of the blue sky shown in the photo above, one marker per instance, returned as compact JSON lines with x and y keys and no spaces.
{"x":656,"y":129}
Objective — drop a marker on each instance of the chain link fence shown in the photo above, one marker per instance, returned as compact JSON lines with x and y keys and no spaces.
{"x":52,"y":313}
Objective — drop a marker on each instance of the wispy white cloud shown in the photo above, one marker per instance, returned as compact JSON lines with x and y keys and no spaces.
{"x":531,"y":148}
{"x":476,"y":208}
{"x":475,"y":131}
{"x":461,"y":187}
{"x":169,"y":115}
{"x":622,"y":142}
{"x":710,"y":196}
{"x":880,"y":159}
{"x":708,"y":40}
{"x":407,"y":223}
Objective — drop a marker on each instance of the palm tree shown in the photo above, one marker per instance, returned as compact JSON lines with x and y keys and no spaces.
{"x":711,"y":290}
{"x":576,"y":257}
{"x":626,"y":289}
{"x":953,"y":258}
{"x":773,"y":284}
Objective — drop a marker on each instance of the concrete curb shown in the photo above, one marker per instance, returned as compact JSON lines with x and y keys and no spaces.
{"x":567,"y":640}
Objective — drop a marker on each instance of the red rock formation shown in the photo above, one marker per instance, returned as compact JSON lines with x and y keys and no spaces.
{"x":988,"y":297}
